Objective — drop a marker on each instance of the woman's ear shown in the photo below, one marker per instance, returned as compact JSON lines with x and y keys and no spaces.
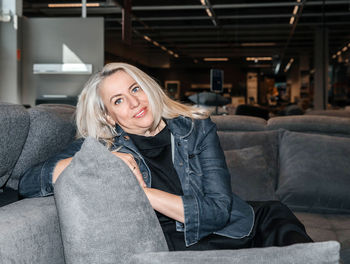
{"x":110,"y":120}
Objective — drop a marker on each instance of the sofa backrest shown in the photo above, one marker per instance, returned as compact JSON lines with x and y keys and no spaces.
{"x":51,"y":129}
{"x":326,"y":125}
{"x":14,"y":127}
{"x":258,"y":155}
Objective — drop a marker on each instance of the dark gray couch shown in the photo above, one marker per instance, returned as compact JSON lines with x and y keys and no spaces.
{"x":301,"y":161}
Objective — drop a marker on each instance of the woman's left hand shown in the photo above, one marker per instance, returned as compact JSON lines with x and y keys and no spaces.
{"x":132,"y":164}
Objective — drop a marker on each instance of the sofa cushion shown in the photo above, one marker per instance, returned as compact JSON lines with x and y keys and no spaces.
{"x":310,"y":253}
{"x":29,"y":232}
{"x":103,"y":212}
{"x":51,"y":129}
{"x":14,"y":126}
{"x":250,"y":177}
{"x":267,"y":140}
{"x":314,"y":172}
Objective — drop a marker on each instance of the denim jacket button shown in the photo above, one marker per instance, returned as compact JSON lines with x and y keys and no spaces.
{"x":48,"y":189}
{"x":126,"y":137}
{"x":180,"y":164}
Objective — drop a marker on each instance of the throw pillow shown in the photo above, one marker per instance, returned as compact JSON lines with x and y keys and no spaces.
{"x":314,"y":172}
{"x":250,"y":176}
{"x":103,"y":212}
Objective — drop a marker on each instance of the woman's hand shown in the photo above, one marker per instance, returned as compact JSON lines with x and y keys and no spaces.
{"x":130,"y":161}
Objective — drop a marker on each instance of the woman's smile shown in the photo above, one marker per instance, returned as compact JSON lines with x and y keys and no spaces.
{"x":141,"y":113}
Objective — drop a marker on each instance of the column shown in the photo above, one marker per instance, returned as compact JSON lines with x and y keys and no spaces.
{"x":10,"y":51}
{"x":321,"y":68}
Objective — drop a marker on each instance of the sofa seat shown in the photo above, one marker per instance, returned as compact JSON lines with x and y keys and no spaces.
{"x":325,"y":227}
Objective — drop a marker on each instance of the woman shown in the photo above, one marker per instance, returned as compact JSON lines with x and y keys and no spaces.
{"x":174,"y":152}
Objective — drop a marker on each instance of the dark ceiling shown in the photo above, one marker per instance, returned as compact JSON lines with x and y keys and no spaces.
{"x":237,"y":29}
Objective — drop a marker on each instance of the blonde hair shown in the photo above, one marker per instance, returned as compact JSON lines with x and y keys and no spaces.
{"x":91,"y":112}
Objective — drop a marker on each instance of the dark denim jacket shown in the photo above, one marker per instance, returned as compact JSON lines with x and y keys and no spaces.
{"x":209,"y":204}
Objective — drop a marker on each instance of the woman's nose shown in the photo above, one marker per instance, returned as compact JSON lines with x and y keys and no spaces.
{"x":133,"y":101}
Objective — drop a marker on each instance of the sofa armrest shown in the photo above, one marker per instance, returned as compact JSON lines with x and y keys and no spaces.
{"x":311,"y":253}
{"x":29,"y":232}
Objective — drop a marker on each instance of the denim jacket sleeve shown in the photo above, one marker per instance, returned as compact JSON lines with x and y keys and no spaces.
{"x":207,"y":204}
{"x":37,"y":181}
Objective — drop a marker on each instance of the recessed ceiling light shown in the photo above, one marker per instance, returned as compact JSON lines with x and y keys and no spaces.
{"x":259,"y":59}
{"x":72,"y":5}
{"x":215,"y":59}
{"x":258,"y":44}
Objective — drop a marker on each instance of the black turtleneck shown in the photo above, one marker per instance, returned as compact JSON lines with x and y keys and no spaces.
{"x":156,"y":151}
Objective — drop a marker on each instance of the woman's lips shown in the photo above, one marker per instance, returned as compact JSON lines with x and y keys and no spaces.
{"x":141,"y":113}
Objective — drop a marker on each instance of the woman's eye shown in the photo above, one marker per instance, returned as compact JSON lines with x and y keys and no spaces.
{"x":135,"y":89}
{"x":118,"y":101}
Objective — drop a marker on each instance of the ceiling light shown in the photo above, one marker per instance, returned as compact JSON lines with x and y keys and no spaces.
{"x":258,"y":44}
{"x":295,"y":10}
{"x":72,"y":5}
{"x":291,"y":21}
{"x":176,"y":56}
{"x":289,"y":64}
{"x":349,"y":45}
{"x":215,"y":59}
{"x":170,"y":52}
{"x":163,"y":48}
{"x":334,"y":56}
{"x":259,"y":59}
{"x":147,"y":38}
{"x":338,"y":53}
{"x":345,"y":49}
{"x":209,"y":12}
{"x":203,"y":2}
{"x":155,"y":43}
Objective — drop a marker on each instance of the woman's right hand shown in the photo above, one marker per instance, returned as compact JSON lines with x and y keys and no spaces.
{"x":130,"y":161}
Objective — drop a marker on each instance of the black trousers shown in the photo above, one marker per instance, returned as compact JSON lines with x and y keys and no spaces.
{"x":274,"y":225}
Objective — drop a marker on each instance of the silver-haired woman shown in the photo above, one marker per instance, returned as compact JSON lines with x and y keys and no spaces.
{"x":174,"y":152}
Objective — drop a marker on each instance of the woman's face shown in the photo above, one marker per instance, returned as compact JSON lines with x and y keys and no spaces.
{"x":126,"y":103}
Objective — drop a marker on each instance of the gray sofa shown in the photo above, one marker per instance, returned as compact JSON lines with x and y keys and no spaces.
{"x":301,"y":160}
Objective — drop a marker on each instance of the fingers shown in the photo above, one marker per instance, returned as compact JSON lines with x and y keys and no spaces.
{"x":130,"y":161}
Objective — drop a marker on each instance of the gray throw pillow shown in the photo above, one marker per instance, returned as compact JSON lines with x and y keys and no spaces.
{"x":314,"y":172}
{"x":104,"y":215}
{"x":250,"y":176}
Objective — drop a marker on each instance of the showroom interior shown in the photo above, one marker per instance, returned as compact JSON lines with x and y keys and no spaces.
{"x":271,"y":54}
{"x":273,"y":74}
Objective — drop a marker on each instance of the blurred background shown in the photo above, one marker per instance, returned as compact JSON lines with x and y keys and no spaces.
{"x":267,"y":58}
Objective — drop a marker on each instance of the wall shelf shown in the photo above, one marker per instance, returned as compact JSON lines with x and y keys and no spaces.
{"x":64,"y":68}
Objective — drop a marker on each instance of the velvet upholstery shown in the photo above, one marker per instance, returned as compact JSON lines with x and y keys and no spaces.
{"x":266,"y":140}
{"x":29,"y":232}
{"x":51,"y":129}
{"x":14,"y":126}
{"x":328,"y":125}
{"x":311,"y":253}
{"x":313,"y":180}
{"x":104,"y":214}
{"x":239,"y":123}
{"x":250,"y":177}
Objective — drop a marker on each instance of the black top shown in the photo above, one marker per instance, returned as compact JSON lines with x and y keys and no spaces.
{"x":156,"y":151}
